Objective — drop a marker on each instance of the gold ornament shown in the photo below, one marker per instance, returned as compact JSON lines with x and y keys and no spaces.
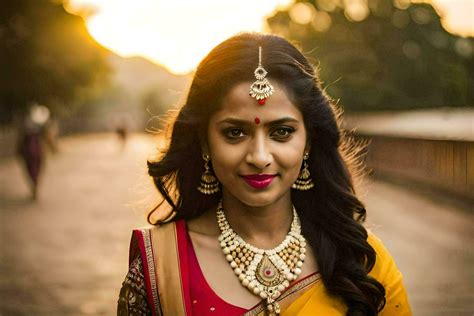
{"x":209,"y":184}
{"x":265,"y":273}
{"x":304,"y":181}
{"x":261,"y":89}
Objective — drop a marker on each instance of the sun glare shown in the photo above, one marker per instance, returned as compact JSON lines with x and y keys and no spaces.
{"x":457,"y":15}
{"x":175,"y":34}
{"x":178,"y":34}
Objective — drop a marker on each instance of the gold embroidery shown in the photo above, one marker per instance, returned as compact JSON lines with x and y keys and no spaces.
{"x":295,"y":288}
{"x":151,"y":269}
{"x":132,"y":297}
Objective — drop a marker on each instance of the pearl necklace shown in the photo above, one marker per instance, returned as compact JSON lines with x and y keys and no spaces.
{"x":266,"y":273}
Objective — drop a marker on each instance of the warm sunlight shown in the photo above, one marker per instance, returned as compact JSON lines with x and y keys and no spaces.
{"x":178,"y":34}
{"x":457,"y":15}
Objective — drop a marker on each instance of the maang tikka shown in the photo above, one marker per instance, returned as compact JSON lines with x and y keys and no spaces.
{"x":261,"y":89}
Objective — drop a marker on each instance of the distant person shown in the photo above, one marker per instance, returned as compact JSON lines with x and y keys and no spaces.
{"x":122,"y":134}
{"x":29,"y":145}
{"x":259,"y":215}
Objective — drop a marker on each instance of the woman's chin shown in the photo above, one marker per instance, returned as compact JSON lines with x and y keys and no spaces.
{"x":258,"y":198}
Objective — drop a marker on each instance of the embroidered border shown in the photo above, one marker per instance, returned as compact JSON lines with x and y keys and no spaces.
{"x":297,"y":287}
{"x":301,"y":285}
{"x":151,"y":268}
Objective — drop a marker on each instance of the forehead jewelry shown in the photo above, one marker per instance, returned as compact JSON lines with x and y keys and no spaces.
{"x":265,"y":273}
{"x":261,"y":89}
{"x":257,"y":120}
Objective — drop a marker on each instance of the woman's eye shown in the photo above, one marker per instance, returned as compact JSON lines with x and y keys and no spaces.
{"x":234,"y":133}
{"x":283,"y":132}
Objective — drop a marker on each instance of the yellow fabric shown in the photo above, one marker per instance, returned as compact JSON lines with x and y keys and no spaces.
{"x":316,"y":300}
{"x":166,"y":264}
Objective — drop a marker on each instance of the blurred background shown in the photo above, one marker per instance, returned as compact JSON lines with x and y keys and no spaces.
{"x":85,"y":84}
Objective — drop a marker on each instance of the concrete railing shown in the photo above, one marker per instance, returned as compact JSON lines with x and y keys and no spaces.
{"x":433,"y":147}
{"x":447,"y":165}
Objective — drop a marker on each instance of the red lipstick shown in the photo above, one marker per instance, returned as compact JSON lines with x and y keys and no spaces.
{"x":259,"y":181}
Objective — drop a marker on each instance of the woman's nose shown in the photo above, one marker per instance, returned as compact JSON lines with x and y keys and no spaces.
{"x":259,"y":154}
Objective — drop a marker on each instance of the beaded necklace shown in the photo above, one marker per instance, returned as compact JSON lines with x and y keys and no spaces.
{"x":265,"y":273}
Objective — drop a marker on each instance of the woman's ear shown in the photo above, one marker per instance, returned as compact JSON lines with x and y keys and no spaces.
{"x":307,"y":148}
{"x":204,"y":147}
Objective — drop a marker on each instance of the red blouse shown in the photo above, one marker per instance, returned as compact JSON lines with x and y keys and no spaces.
{"x":204,"y":301}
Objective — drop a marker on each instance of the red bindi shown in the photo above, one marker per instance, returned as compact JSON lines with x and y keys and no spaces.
{"x":257,"y":120}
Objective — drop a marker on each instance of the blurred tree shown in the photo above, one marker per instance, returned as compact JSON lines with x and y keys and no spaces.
{"x":46,"y":56}
{"x":381,"y":54}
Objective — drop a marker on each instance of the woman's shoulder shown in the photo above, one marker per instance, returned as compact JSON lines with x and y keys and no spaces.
{"x":149,"y":228}
{"x":386,"y":272}
{"x":377,"y":244}
{"x":142,"y":234}
{"x":385,"y":269}
{"x":141,"y":239}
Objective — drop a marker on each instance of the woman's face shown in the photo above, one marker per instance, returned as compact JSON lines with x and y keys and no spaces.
{"x":256,"y":151}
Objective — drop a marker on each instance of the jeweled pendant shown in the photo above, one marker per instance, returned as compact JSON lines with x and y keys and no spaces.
{"x":268,"y":274}
{"x":261,"y":88}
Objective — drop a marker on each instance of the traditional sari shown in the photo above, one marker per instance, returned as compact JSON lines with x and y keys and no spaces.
{"x":163,"y":261}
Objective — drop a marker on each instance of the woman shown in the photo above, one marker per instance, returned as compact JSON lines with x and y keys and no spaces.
{"x":29,"y":143}
{"x":264,"y":217}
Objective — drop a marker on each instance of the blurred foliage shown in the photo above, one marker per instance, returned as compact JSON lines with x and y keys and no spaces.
{"x":379,"y":54}
{"x":47,"y":56}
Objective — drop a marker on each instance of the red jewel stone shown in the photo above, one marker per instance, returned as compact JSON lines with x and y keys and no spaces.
{"x":257,"y":120}
{"x":268,"y":272}
{"x":261,"y":101}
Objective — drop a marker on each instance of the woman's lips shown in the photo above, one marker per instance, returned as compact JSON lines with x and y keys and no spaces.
{"x":259,"y":181}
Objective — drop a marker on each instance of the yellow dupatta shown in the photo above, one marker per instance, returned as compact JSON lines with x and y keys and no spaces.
{"x":316,"y":300}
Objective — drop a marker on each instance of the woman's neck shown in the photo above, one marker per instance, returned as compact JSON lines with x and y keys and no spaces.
{"x":263,"y":227}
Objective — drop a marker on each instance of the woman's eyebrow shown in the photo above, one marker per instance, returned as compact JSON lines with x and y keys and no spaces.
{"x":236,"y":121}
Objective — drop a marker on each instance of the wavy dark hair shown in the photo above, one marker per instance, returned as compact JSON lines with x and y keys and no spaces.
{"x":331,"y":214}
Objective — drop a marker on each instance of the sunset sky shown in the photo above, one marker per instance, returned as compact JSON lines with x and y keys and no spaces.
{"x":178,"y":34}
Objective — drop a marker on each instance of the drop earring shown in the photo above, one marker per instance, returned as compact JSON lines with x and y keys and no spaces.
{"x":304,"y":181}
{"x":209,"y":184}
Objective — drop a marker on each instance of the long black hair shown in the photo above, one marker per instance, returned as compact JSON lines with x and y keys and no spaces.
{"x":331,"y":214}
